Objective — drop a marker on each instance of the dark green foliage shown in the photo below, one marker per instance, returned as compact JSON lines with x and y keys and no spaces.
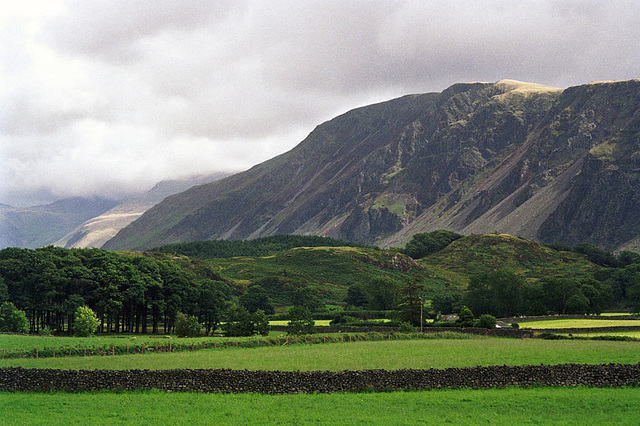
{"x":356,"y":295}
{"x":411,"y":303}
{"x":596,"y":254}
{"x":259,"y":247}
{"x":599,"y":296}
{"x":499,"y":293}
{"x":309,"y":297}
{"x":447,"y":300}
{"x":504,"y":294}
{"x":240,"y":322}
{"x":188,"y":326}
{"x":12,"y":320}
{"x":550,"y":336}
{"x":515,"y":325}
{"x":4,"y":291}
{"x":485,"y":321}
{"x":342,"y":319}
{"x":626,"y":258}
{"x":465,"y":317}
{"x":633,"y":295}
{"x":261,"y":323}
{"x":382,"y":294}
{"x":427,"y":243}
{"x":406,"y":327}
{"x":300,"y":320}
{"x":256,"y":298}
{"x":129,"y":292}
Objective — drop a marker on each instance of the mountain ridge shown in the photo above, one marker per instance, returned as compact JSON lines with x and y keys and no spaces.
{"x":478,"y":157}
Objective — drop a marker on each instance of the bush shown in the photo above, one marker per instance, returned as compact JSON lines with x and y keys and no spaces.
{"x":485,"y":321}
{"x":465,"y":317}
{"x":187,"y":326}
{"x":515,"y":325}
{"x":12,"y":319}
{"x":85,"y":322}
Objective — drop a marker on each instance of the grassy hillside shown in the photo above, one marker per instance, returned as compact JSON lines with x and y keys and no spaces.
{"x":329,"y":269}
{"x":478,"y":254}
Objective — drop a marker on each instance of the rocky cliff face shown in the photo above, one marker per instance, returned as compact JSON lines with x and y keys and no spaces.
{"x":512,"y":157}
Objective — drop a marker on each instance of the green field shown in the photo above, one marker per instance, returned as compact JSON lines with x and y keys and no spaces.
{"x":634,"y":334}
{"x":556,"y":406}
{"x":398,"y":354}
{"x":579,"y":323}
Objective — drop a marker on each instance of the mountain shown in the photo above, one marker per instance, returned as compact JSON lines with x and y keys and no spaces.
{"x":518,"y":158}
{"x":43,"y":225}
{"x":95,"y":231}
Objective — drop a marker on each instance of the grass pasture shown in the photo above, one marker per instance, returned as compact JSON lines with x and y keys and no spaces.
{"x":556,"y":406}
{"x":580,"y":323}
{"x":396,"y":354}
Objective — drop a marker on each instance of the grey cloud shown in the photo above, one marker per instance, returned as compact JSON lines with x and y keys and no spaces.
{"x":112,"y":28}
{"x":239,"y":82}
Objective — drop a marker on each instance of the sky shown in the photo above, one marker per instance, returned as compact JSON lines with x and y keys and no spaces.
{"x":107,"y":97}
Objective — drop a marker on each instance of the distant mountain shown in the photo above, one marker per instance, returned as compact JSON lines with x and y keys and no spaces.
{"x":512,"y":157}
{"x":43,"y":225}
{"x":96,"y":230}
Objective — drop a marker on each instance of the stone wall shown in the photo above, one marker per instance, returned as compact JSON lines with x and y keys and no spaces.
{"x":282,"y":382}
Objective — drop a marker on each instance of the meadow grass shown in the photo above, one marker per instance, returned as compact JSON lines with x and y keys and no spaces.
{"x":579,"y":323}
{"x":557,"y":406}
{"x":398,"y":354}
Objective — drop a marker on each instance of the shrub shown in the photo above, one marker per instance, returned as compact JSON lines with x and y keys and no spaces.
{"x":187,"y":326}
{"x":515,"y":325}
{"x":85,"y":322}
{"x":485,"y":321}
{"x":465,"y":317}
{"x":12,"y":319}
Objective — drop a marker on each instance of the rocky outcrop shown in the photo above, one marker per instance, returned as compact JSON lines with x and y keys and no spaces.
{"x":511,"y":157}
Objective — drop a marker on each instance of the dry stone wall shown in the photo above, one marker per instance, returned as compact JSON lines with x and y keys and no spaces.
{"x":284,"y":382}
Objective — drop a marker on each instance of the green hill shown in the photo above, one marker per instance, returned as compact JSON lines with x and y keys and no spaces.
{"x":478,"y":254}
{"x":329,"y":269}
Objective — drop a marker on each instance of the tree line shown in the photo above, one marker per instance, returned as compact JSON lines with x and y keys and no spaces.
{"x":264,"y":246}
{"x":129,"y":293}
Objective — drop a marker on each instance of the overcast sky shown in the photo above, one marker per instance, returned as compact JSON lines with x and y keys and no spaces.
{"x":109,"y":97}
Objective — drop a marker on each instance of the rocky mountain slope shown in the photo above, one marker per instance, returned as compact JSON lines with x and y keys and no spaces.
{"x":95,"y":231}
{"x":512,"y":157}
